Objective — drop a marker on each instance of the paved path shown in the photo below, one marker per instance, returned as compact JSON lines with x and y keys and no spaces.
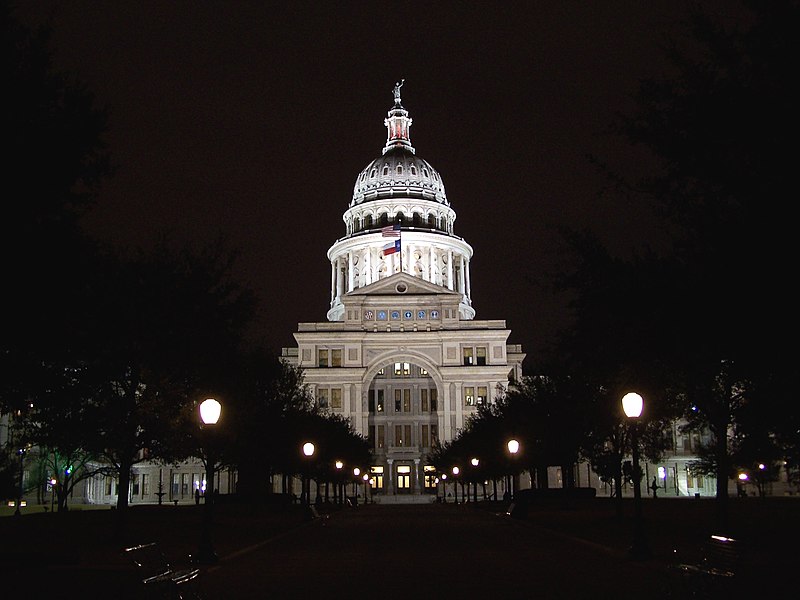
{"x":426,"y":551}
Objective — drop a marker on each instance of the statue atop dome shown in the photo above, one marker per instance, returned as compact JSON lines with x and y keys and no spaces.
{"x":396,"y":92}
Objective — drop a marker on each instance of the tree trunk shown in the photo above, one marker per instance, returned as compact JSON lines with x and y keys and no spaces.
{"x":122,"y":498}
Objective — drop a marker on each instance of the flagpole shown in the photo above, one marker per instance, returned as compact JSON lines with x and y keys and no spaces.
{"x":400,"y":237}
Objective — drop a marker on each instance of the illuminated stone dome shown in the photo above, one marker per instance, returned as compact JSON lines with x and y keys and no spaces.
{"x":398,"y":172}
{"x":399,"y":199}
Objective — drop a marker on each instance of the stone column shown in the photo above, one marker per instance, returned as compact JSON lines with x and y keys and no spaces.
{"x":461,"y":287}
{"x":350,"y":271}
{"x":333,"y":281}
{"x":390,"y":477}
{"x":450,"y":269}
{"x":418,"y":486}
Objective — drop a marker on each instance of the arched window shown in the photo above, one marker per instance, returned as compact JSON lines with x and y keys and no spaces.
{"x":357,"y":224}
{"x":416,"y":219}
{"x":431,"y":221}
{"x":383,"y":220}
{"x":425,"y":172}
{"x":368,"y":222}
{"x":385,"y":170}
{"x":399,"y":169}
{"x":372,"y":174}
{"x":399,"y":218}
{"x":413,"y":170}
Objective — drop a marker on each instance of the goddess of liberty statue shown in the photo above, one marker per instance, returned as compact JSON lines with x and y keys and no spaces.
{"x":396,"y":92}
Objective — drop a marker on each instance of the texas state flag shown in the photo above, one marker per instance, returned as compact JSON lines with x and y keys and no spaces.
{"x":391,"y":248}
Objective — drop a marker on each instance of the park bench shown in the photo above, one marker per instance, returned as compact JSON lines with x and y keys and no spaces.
{"x":714,"y":573}
{"x":158,"y":575}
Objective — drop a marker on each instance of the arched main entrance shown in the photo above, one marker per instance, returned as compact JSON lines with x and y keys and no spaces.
{"x":403,"y":424}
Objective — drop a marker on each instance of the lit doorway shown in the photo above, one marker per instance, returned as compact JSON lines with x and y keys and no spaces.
{"x":403,"y":479}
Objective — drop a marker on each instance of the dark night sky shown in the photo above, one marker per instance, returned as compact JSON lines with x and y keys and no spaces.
{"x":253,"y":119}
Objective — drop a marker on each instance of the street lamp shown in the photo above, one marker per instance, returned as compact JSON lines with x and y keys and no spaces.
{"x":366,"y":481}
{"x":356,"y":473}
{"x":632,"y":404}
{"x":444,"y":488}
{"x":339,"y":466}
{"x":210,"y":410}
{"x":308,"y":452}
{"x":20,"y":490}
{"x":456,"y":471}
{"x":513,"y":448}
{"x":475,"y":462}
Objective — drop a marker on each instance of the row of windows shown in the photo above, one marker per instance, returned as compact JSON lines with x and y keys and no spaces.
{"x":427,"y":435}
{"x":474,"y":356}
{"x":417,"y":220}
{"x":329,"y":397}
{"x":428,"y":401}
{"x":471,"y":398}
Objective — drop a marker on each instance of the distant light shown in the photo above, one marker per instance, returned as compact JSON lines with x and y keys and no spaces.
{"x":339,"y":464}
{"x":662,"y":473}
{"x":743,"y":477}
{"x":632,"y":404}
{"x":365,"y":477}
{"x":308,"y":449}
{"x":761,"y":466}
{"x":475,"y":462}
{"x":444,"y":476}
{"x":456,"y":470}
{"x":356,"y":471}
{"x":513,"y":446}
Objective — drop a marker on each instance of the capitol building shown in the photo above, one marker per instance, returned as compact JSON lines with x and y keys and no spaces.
{"x":401,"y":353}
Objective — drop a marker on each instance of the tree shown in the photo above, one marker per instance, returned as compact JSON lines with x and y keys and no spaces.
{"x":54,"y":160}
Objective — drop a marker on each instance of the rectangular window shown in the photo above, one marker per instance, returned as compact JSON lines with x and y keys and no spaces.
{"x":423,"y":400}
{"x":322,"y":397}
{"x":397,"y":401}
{"x":381,"y":440}
{"x":135,"y":484}
{"x":468,"y":357}
{"x":407,"y":401}
{"x":423,"y":372}
{"x":397,"y":370}
{"x":434,"y":400}
{"x":482,"y":395}
{"x":336,"y":398}
{"x":480,"y":356}
{"x":184,"y":484}
{"x":406,"y":369}
{"x":336,"y":358}
{"x":145,"y":484}
{"x":398,"y":435}
{"x":371,"y":401}
{"x":424,"y":436}
{"x":379,"y":407}
{"x":434,"y":435}
{"x":469,"y":396}
{"x":176,"y":484}
{"x":322,"y":358}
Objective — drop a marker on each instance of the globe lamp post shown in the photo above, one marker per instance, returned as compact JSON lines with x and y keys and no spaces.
{"x":308,"y":452}
{"x":475,"y":462}
{"x":339,"y":466}
{"x":513,"y":449}
{"x":632,"y":405}
{"x":456,"y":471}
{"x":210,"y":411}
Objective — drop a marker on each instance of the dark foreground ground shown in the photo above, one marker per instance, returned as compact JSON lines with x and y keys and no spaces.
{"x":409,"y":551}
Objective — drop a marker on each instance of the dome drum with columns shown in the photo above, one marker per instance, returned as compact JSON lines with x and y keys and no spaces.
{"x":401,"y":355}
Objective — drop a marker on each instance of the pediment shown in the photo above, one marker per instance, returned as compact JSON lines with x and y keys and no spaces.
{"x":403,"y":284}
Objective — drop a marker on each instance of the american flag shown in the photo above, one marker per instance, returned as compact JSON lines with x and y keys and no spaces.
{"x":391,"y":231}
